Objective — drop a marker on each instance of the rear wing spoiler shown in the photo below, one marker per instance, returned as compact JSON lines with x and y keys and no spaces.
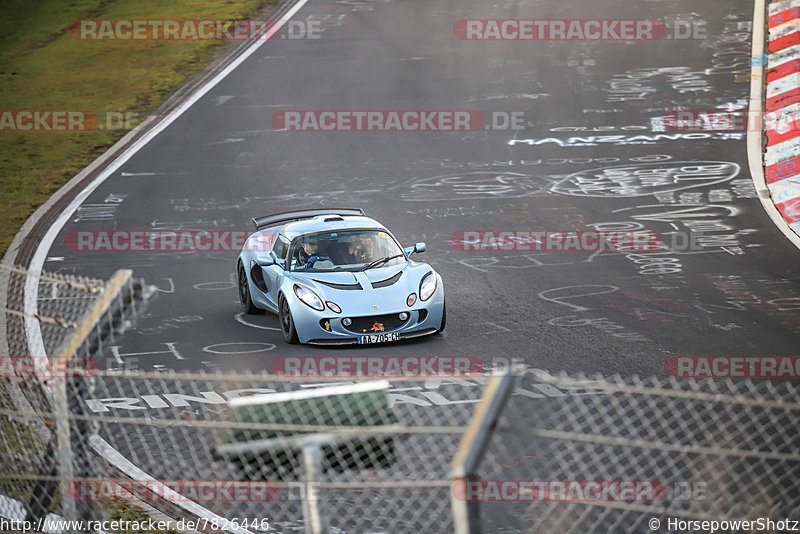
{"x":277,"y":218}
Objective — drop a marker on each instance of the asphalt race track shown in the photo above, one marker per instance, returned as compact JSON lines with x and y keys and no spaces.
{"x":592,"y":155}
{"x":587,"y":106}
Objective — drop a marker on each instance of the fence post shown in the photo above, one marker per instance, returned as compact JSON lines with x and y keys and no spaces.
{"x":466,"y":514}
{"x":312,"y":471}
{"x":104,"y":320}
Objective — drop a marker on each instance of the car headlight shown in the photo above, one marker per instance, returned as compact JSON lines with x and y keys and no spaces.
{"x":308,"y":297}
{"x":427,"y":286}
{"x":411,"y":299}
{"x":334,"y":307}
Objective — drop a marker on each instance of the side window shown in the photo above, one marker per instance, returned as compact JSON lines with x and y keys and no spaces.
{"x":281,"y":247}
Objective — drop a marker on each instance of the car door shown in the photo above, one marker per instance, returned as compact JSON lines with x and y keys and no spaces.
{"x":273,"y":274}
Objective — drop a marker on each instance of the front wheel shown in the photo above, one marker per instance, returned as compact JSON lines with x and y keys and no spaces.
{"x":444,"y":318}
{"x":244,"y":293}
{"x":287,"y":323}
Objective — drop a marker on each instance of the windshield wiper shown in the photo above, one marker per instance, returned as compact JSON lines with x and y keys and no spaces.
{"x":381,"y":261}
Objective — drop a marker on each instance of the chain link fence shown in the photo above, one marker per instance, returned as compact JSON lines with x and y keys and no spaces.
{"x":381,"y":450}
{"x":71,"y":319}
{"x":529,"y":452}
{"x":242,"y":453}
{"x":631,"y":455}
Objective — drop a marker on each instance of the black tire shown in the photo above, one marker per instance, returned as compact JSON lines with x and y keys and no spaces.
{"x":287,"y":323}
{"x":244,"y":294}
{"x":444,"y":318}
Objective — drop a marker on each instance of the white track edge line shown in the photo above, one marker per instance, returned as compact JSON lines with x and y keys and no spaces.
{"x":112,"y":455}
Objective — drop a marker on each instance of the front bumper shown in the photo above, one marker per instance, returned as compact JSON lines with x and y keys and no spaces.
{"x":424,"y":318}
{"x":354,"y":340}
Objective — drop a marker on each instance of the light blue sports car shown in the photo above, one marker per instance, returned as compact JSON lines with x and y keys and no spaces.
{"x":335,"y":276}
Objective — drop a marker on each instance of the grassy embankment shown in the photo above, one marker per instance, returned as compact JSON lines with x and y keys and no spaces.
{"x":43,"y":68}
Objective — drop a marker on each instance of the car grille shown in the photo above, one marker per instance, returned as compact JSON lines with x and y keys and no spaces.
{"x":364,"y":325}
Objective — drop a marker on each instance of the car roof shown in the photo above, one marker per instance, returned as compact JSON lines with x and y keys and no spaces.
{"x":327,"y":223}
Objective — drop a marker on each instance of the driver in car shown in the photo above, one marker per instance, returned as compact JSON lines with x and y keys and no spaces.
{"x":307,"y":255}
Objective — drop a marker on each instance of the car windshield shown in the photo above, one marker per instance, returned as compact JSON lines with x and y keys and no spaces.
{"x":344,"y":251}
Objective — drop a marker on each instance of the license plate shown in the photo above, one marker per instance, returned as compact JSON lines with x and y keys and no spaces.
{"x":378,"y":338}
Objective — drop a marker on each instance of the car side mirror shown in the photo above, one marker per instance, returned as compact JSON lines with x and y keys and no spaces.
{"x":419,"y":248}
{"x":265,"y":261}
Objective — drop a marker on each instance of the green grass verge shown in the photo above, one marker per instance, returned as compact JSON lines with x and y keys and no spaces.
{"x":42,"y":68}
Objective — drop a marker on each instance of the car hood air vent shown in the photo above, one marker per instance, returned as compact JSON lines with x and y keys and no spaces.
{"x":388,"y":281}
{"x":343,"y":287}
